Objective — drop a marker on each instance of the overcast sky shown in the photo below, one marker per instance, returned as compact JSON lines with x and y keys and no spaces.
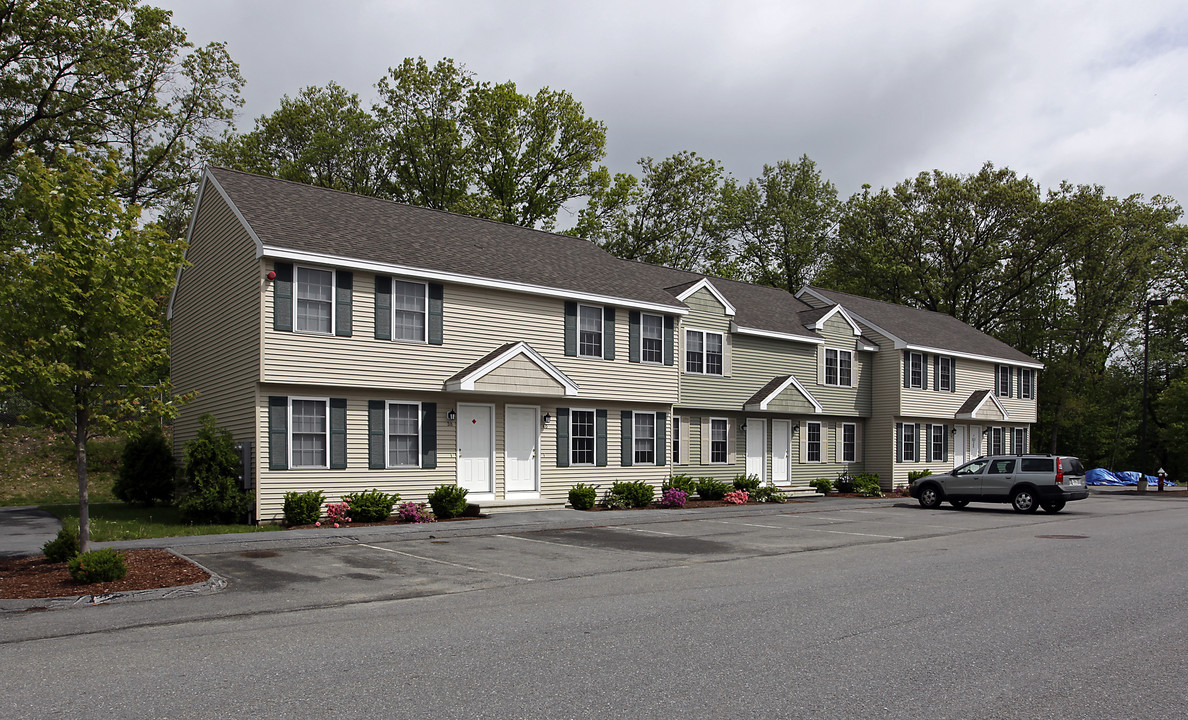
{"x":874,"y":91}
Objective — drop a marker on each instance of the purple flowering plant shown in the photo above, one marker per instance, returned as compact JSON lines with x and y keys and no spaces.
{"x":411,"y":512}
{"x":673,"y":497}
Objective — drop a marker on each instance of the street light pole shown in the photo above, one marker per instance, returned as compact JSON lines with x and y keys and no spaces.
{"x":1146,"y":341}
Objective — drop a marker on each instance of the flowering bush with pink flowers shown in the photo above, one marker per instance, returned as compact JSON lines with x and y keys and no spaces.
{"x":412,"y":512}
{"x":673,"y":498}
{"x":738,"y":497}
{"x":338,"y":513}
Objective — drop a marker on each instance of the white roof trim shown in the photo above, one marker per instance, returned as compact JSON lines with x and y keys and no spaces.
{"x":820,"y":324}
{"x":735,"y":328}
{"x":973,"y":415}
{"x":460,"y":279}
{"x":705,"y":283}
{"x":521,"y":348}
{"x":793,"y":382}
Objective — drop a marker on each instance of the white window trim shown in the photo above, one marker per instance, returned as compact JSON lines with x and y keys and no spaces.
{"x":933,"y":456}
{"x":392,"y":316}
{"x":820,"y":441}
{"x":593,"y":437}
{"x":601,"y":332}
{"x":1030,"y":386}
{"x":825,"y":367}
{"x":1001,"y":449}
{"x":1019,"y":437}
{"x":854,"y":455}
{"x":944,"y":359}
{"x":911,"y":362}
{"x":905,"y":446}
{"x":710,"y":460}
{"x":674,"y":448}
{"x":388,"y":435}
{"x":333,"y":299}
{"x":292,"y":457}
{"x":998,"y":375}
{"x":635,"y":437}
{"x":704,"y":352}
{"x":643,"y":315}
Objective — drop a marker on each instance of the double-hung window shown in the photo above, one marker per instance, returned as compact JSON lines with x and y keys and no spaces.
{"x":651,"y":338}
{"x":1026,"y":383}
{"x":1004,"y":381}
{"x":944,"y":374}
{"x":676,"y":438}
{"x":589,"y":331}
{"x":310,"y":433}
{"x":704,"y":352}
{"x":1020,"y":443}
{"x":581,"y":437}
{"x":644,"y":438}
{"x":718,"y":440}
{"x":409,"y":302}
{"x":849,"y":442}
{"x":908,"y":442}
{"x":813,"y":439}
{"x":404,"y":435}
{"x":916,"y":370}
{"x":315,"y":300}
{"x":938,"y":443}
{"x":839,"y":366}
{"x":996,"y":438}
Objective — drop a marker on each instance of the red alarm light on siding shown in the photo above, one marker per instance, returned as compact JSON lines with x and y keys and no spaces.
{"x":271,"y":274}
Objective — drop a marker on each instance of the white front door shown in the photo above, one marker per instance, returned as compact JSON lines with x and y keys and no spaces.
{"x":757,"y":448}
{"x":476,"y":450}
{"x":975,"y":441}
{"x":960,"y":445}
{"x":781,"y":451}
{"x":521,"y":438}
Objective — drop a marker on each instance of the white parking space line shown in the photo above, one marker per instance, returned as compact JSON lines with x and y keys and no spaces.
{"x":769,"y":527}
{"x":445,"y":562}
{"x":839,"y":532}
{"x":652,"y":532}
{"x":542,"y":542}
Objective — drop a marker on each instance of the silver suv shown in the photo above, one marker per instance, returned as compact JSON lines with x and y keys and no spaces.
{"x":1027,"y":482}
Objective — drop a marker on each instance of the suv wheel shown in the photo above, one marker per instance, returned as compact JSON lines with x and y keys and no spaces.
{"x":929,"y":497}
{"x":1053,"y":507}
{"x":1024,"y":501}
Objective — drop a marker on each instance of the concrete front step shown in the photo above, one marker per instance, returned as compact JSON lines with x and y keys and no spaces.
{"x":491,"y":507}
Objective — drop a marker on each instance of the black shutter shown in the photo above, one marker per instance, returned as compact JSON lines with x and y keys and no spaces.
{"x":429,"y":434}
{"x":571,"y":329}
{"x":633,"y":344}
{"x":278,"y":433}
{"x":661,"y":438}
{"x":343,"y":285}
{"x":600,"y":438}
{"x":383,"y":308}
{"x":375,"y":435}
{"x":625,"y":445}
{"x":282,"y":297}
{"x":924,"y":371}
{"x":928,"y":441}
{"x":436,"y":314}
{"x":952,"y":375}
{"x":918,"y":442}
{"x":898,"y":442}
{"x":562,"y":437}
{"x":608,"y":333}
{"x":669,"y":340}
{"x":338,"y":422}
{"x":907,"y":368}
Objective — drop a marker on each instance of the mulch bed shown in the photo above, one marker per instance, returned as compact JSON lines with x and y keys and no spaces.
{"x":35,"y":577}
{"x":392,"y":520}
{"x":692,"y":504}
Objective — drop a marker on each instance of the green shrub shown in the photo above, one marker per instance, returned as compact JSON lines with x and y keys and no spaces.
{"x":373,"y":505}
{"x":747,"y":483}
{"x":915,"y":475}
{"x":96,"y":566}
{"x":823,"y":485}
{"x":681,"y":482}
{"x":844,"y":483}
{"x":634,"y":494}
{"x":768,"y":494}
{"x":303,"y":508}
{"x":212,"y":472}
{"x":146,"y":470}
{"x":868,"y":484}
{"x":63,"y":547}
{"x":448,"y":501}
{"x":711,"y":489}
{"x":583,"y":496}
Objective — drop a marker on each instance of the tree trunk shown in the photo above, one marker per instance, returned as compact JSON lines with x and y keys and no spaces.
{"x":80,"y":458}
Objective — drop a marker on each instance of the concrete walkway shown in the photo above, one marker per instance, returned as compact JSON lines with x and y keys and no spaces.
{"x":24,"y":529}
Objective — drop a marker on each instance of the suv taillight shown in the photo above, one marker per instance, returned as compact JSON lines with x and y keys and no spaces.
{"x":1059,"y":472}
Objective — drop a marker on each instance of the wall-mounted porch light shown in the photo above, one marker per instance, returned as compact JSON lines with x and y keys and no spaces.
{"x":451,"y":416}
{"x":547,"y":417}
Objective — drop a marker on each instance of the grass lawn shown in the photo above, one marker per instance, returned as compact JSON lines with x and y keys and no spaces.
{"x":117,"y":521}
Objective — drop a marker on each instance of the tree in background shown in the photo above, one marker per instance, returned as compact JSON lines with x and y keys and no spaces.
{"x":81,"y":329}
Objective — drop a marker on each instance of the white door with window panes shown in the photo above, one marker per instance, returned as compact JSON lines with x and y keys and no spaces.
{"x":476,"y":450}
{"x":781,"y":452}
{"x":521,"y":451}
{"x":757,"y":448}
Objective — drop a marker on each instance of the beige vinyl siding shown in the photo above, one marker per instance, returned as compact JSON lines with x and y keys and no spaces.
{"x":887,"y":384}
{"x":699,"y":464}
{"x":519,"y":375}
{"x":972,"y":375}
{"x":854,"y":400}
{"x":476,"y":321}
{"x":415,"y":484}
{"x":215,"y":330}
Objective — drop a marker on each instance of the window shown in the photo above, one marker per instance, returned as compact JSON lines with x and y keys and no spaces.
{"x":651,"y":339}
{"x":409,"y":302}
{"x":907,"y":449}
{"x":644,"y":437}
{"x":839,"y":367}
{"x":676,"y":439}
{"x":1001,"y":467}
{"x":1026,"y":383}
{"x":310,"y":433}
{"x":589,"y":331}
{"x":404,"y":435}
{"x":813,"y":438}
{"x":944,"y":374}
{"x":996,"y":441}
{"x":1020,"y":443}
{"x":1004,"y":381}
{"x":718,"y":442}
{"x":938,"y":443}
{"x":916,"y":370}
{"x":315,"y":300}
{"x":1038,"y":465}
{"x":581,"y":437}
{"x":849,"y":442}
{"x":704,"y":352}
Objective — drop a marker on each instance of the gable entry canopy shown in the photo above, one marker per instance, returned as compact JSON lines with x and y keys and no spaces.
{"x":513,"y":367}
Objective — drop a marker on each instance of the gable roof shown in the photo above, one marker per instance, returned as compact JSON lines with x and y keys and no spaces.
{"x":774,"y":387}
{"x":924,"y":330}
{"x":466,"y":378}
{"x":974,"y":403}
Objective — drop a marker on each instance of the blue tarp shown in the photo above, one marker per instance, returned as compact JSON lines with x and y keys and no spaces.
{"x":1101,"y":476}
